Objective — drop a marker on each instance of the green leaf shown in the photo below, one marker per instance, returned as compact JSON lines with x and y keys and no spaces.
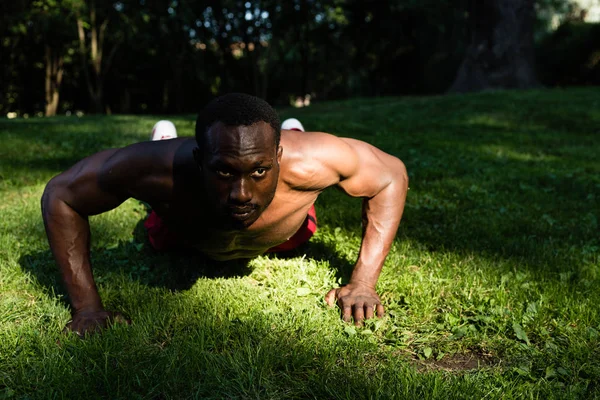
{"x":302,"y":292}
{"x":532,"y":308}
{"x":378,"y":324}
{"x":458,"y":333}
{"x":427,"y":352}
{"x":550,"y":372}
{"x":521,"y":335}
{"x":350,"y":330}
{"x":522,"y":370}
{"x":452,"y":320}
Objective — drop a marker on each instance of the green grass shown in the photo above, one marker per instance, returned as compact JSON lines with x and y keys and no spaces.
{"x":491,"y":288}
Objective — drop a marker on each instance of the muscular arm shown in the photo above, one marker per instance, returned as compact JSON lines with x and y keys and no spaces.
{"x":68,"y":200}
{"x":381,"y":180}
{"x":361,"y":170}
{"x":92,"y":186}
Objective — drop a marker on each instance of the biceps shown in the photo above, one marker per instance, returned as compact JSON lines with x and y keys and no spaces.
{"x":79,"y":189}
{"x":375,"y":170}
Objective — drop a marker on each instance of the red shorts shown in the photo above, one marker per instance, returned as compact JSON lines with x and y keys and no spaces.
{"x":162,"y":238}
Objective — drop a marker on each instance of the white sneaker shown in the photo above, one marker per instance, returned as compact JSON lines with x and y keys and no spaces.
{"x":163,"y":130}
{"x":292,"y":124}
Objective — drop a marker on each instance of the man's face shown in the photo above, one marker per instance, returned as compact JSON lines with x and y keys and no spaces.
{"x":240,"y":167}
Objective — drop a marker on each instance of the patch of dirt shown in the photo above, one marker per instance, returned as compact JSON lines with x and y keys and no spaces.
{"x":458,"y":362}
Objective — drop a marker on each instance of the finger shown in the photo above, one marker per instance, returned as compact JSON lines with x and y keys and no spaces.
{"x":330,"y":297}
{"x":118,"y":318}
{"x":359,"y":314}
{"x":68,"y":328}
{"x":369,"y":311}
{"x":90,"y":327}
{"x":74,"y":327}
{"x":380,"y":310}
{"x":347,"y":313}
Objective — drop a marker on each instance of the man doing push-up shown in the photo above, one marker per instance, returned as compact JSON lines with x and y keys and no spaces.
{"x":244,"y":186}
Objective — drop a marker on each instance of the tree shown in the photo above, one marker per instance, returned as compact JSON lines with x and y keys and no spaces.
{"x":12,"y":32}
{"x":500,"y":53}
{"x":95,"y":53}
{"x":51,"y":21}
{"x":38,"y":37}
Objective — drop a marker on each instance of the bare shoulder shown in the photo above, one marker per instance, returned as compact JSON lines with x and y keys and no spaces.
{"x":317,"y":160}
{"x":136,"y":161}
{"x":142,"y":168}
{"x":139,"y":170}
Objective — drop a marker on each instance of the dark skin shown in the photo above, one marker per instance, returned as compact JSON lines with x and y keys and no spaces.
{"x":237,"y":198}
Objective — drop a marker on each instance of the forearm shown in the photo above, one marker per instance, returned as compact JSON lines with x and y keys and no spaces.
{"x":69,"y":238}
{"x":381,"y":217}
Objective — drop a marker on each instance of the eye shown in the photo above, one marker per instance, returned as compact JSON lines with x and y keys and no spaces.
{"x":259,"y":172}
{"x":223,"y":174}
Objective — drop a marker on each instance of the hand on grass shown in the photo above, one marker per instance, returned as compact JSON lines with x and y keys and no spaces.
{"x":88,"y":322}
{"x":356,"y":301}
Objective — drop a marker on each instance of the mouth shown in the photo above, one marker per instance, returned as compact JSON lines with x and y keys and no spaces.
{"x":241,"y":214}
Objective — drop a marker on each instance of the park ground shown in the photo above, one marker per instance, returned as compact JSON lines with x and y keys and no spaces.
{"x":491,"y":287}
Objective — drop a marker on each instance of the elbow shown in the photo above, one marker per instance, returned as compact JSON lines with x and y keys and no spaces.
{"x":47,"y":196}
{"x":51,"y":194}
{"x":400,"y":173}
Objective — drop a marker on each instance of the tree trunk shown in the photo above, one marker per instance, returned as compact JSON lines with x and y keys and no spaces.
{"x":54,"y":74}
{"x":500,"y":55}
{"x":100,"y":65}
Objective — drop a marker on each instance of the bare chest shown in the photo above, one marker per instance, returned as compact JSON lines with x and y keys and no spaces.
{"x":196,"y":228}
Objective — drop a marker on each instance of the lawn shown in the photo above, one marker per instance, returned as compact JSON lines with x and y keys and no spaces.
{"x":491,"y":288}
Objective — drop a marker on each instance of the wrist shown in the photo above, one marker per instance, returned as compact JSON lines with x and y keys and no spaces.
{"x":362,"y":282}
{"x":90,"y":305}
{"x":365,"y":274}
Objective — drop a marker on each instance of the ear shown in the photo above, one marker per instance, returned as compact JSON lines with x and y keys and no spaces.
{"x":197,"y":157}
{"x":279,"y":153}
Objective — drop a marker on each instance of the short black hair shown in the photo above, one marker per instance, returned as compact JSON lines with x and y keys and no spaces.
{"x":235,"y":109}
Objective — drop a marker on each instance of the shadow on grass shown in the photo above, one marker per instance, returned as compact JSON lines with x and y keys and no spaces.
{"x":175,"y":270}
{"x":136,"y":259}
{"x":246,"y":354}
{"x":250,"y":354}
{"x":515,"y":203}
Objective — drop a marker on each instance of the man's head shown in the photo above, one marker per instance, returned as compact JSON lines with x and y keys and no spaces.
{"x":236,"y":109}
{"x":238,"y":153}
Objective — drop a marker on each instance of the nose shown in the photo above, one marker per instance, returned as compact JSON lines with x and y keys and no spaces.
{"x":241,"y":191}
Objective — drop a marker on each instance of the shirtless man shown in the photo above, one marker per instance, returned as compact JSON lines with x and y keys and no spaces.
{"x":242,"y":187}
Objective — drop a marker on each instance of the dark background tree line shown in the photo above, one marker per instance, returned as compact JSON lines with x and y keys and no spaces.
{"x":171,"y":56}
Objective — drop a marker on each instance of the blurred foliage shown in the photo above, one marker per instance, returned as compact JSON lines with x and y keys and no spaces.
{"x":574,"y":41}
{"x":171,"y":56}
